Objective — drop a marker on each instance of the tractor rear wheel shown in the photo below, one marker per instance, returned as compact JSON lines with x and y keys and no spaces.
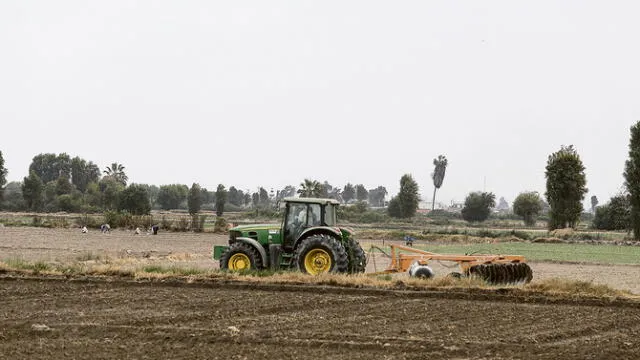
{"x":357,"y":257}
{"x":319,"y":254}
{"x":240,"y":256}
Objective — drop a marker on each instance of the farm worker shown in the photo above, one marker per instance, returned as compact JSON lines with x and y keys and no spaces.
{"x":84,"y":230}
{"x":155,"y":228}
{"x":105,"y":228}
{"x":408,"y":240}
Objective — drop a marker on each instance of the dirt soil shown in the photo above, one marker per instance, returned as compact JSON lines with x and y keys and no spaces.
{"x":114,"y":318}
{"x":44,"y":318}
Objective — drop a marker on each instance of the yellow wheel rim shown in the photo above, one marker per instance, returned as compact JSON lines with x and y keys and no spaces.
{"x":239,"y":261}
{"x":317,"y":261}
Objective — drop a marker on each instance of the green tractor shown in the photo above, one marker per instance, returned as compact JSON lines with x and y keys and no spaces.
{"x":308,"y":239}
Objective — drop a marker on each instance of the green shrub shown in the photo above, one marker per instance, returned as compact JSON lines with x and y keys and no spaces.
{"x":443,"y":214}
{"x":201,"y":220}
{"x":262,"y":213}
{"x":615,"y":215}
{"x":36,"y":221}
{"x":183,"y":224}
{"x":36,"y":267}
{"x":588,"y":236}
{"x":124,"y":219}
{"x":88,"y":221}
{"x":521,"y":234}
{"x":112,"y":218}
{"x":57,"y":222}
{"x":228,"y":207}
{"x":166,"y":224}
{"x":141,"y":221}
{"x":90,"y":209}
{"x":220,"y":225}
{"x":361,"y":213}
{"x":50,"y":221}
{"x":486,"y":233}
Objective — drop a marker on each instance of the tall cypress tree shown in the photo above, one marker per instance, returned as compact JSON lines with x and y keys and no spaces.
{"x":566,"y":187}
{"x":194,"y":200}
{"x":32,"y":191}
{"x":221,"y":199}
{"x":632,"y":179}
{"x":405,"y":204}
{"x":3,"y":175}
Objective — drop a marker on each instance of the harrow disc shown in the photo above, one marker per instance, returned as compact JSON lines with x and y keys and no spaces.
{"x":420,"y":271}
{"x":513,"y":273}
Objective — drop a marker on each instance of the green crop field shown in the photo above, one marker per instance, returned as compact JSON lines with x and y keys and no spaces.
{"x":604,"y":254}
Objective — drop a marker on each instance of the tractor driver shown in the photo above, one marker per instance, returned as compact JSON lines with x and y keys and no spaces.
{"x":298,"y":216}
{"x":296,"y":221}
{"x":314,"y":215}
{"x":301,"y":218}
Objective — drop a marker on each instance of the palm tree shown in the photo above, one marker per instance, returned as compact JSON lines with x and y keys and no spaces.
{"x":116,"y":171}
{"x":438,"y":176}
{"x":310,"y":188}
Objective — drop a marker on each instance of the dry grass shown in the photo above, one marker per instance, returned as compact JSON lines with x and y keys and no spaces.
{"x":563,"y":233}
{"x":578,"y":288}
{"x":124,"y":268}
{"x":180,"y":257}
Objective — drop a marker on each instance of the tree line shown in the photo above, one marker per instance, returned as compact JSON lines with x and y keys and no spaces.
{"x":58,"y":182}
{"x":61,"y":183}
{"x":564,"y":195}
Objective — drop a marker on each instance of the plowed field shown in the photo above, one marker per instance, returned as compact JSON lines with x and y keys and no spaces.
{"x":98,"y":318}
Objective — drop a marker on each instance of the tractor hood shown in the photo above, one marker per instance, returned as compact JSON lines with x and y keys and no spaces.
{"x":255,"y":227}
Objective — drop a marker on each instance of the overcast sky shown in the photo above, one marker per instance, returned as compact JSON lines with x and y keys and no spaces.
{"x":268,"y":93}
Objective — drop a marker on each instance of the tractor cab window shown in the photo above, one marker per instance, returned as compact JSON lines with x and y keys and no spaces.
{"x":294,"y":222}
{"x":315,"y":218}
{"x":300,"y":216}
{"x":330,"y":215}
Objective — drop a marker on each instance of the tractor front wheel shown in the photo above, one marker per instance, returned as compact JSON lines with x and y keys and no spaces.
{"x":319,"y":254}
{"x":240,"y":257}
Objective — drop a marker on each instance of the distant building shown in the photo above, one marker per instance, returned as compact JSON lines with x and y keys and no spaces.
{"x":455,"y":206}
{"x":424,"y":206}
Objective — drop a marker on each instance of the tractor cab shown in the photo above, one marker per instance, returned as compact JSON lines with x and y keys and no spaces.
{"x":305,"y":213}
